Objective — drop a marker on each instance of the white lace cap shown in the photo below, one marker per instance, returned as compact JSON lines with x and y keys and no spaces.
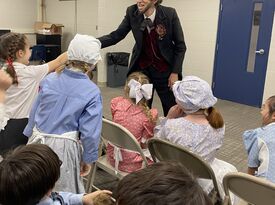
{"x":84,"y":48}
{"x":193,"y":93}
{"x":139,"y":91}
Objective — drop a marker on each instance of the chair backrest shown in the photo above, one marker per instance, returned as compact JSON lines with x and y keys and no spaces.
{"x":163,"y":150}
{"x":121,"y":137}
{"x":250,"y":188}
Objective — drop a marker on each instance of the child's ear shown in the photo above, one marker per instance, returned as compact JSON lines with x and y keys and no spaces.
{"x":20,"y":54}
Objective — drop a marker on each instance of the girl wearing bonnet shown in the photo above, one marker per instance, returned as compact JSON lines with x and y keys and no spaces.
{"x":67,"y":114}
{"x":195,"y":124}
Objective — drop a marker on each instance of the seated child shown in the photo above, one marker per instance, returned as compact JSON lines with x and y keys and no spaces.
{"x":67,"y":114}
{"x":133,"y":113}
{"x":161,"y":183}
{"x":260,"y":144}
{"x":28,"y":175}
{"x":196,"y":125}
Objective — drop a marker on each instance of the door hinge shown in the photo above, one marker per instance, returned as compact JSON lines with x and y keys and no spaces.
{"x":221,"y":7}
{"x":213,"y":85}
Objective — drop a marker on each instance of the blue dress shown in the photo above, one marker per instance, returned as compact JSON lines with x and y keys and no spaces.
{"x":260,"y":146}
{"x":67,"y":116}
{"x":62,"y":198}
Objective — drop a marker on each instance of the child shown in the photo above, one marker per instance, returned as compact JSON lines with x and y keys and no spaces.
{"x":161,"y":183}
{"x":28,"y":175}
{"x":67,"y":114}
{"x":15,"y":51}
{"x":260,"y":144}
{"x":195,"y":124}
{"x":133,"y":113}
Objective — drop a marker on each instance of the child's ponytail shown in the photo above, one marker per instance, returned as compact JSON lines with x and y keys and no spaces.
{"x":146,"y":110}
{"x":271,"y":105}
{"x":11,"y":71}
{"x":214,"y":118}
{"x":10,"y":44}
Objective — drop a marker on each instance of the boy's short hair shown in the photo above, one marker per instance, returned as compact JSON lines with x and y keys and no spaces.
{"x":27,"y":174}
{"x":161,"y":184}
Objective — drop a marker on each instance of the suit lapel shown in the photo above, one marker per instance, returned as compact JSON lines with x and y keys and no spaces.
{"x":163,"y":21}
{"x":161,"y":18}
{"x":138,"y":19}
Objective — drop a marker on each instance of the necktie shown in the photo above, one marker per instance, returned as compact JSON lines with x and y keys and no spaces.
{"x":146,"y":22}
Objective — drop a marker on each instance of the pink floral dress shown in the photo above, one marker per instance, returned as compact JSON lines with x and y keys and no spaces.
{"x":133,"y":118}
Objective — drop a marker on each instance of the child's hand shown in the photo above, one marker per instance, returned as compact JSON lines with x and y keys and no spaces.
{"x":5,"y":80}
{"x":88,"y":198}
{"x":175,"y":112}
{"x":84,"y":169}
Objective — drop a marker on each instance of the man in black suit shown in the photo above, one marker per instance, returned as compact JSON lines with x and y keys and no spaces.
{"x":159,"y":49}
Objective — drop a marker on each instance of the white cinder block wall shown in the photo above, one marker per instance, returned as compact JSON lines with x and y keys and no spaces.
{"x":110,"y":15}
{"x":269,"y":89}
{"x":83,"y":20}
{"x":19,"y":16}
{"x":199,"y":20}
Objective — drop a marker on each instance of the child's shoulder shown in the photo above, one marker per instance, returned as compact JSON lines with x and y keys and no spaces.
{"x":119,"y":99}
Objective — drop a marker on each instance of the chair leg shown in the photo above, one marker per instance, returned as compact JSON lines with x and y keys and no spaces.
{"x":92,"y":178}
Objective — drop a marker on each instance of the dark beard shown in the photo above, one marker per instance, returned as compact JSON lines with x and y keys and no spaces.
{"x":146,"y":8}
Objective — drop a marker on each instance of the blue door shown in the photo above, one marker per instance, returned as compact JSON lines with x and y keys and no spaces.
{"x":243,"y":41}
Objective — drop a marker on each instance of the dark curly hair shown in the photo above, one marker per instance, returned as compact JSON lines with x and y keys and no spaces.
{"x":27,"y":174}
{"x":161,"y":183}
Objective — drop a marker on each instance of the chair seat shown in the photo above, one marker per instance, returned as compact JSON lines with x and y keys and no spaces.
{"x":103,"y":163}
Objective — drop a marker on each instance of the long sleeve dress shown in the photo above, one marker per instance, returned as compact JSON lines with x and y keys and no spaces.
{"x":67,"y":116}
{"x":133,"y":118}
{"x":201,"y":139}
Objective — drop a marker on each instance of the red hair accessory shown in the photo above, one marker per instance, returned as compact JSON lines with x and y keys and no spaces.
{"x":9,"y":61}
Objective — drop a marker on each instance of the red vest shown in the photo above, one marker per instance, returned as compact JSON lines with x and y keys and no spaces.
{"x":150,"y":54}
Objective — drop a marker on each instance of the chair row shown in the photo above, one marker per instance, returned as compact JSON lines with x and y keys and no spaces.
{"x":251,"y":189}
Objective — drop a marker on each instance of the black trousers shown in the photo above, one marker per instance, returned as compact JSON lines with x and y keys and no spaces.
{"x":160,"y":84}
{"x":12,"y":136}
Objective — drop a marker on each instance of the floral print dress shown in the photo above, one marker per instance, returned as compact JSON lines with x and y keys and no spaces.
{"x":133,"y":118}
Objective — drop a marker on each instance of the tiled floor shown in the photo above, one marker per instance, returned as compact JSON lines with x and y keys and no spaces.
{"x":237,"y":119}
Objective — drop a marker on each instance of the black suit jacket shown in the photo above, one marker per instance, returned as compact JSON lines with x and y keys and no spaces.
{"x":172,"y":45}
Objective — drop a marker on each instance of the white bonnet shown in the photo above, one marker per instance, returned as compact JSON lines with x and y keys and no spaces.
{"x":84,"y":48}
{"x":193,"y":93}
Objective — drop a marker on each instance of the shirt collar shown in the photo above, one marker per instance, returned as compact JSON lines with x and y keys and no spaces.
{"x":152,"y":17}
{"x":74,"y":74}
